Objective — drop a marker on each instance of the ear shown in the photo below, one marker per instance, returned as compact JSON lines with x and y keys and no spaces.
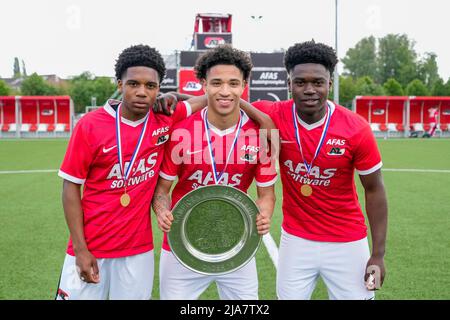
{"x":289,"y":84}
{"x":120,"y":85}
{"x":203,"y":83}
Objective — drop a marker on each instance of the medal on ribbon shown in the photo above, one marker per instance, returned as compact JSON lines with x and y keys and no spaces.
{"x":306,"y":189}
{"x":125,"y":198}
{"x":218,"y":175}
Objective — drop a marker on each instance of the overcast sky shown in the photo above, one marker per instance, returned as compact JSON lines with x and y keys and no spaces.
{"x":67,"y":37}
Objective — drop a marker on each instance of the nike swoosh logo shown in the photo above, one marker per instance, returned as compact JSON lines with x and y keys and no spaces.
{"x":106,"y":150}
{"x":189,"y":152}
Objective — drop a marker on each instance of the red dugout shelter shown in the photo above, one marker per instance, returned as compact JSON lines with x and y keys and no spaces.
{"x":399,"y":116}
{"x":36,"y":116}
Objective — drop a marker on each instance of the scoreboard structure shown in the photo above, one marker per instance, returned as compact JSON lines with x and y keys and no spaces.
{"x":268,"y":79}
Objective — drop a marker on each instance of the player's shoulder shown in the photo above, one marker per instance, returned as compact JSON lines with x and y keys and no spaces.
{"x":189,"y":121}
{"x":93,"y":118}
{"x":349,"y":118}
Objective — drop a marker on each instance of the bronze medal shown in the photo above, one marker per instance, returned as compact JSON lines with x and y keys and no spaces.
{"x":306,"y":190}
{"x":125,"y":200}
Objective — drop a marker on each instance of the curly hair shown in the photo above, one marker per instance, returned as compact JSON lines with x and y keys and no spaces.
{"x":310,"y":52}
{"x":223,"y":54}
{"x":140,"y":56}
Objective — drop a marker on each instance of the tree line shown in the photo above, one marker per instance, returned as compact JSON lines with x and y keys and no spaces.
{"x":387,"y":66}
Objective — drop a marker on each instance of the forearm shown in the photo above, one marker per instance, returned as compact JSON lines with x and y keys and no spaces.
{"x":376,"y":208}
{"x":266,"y":200}
{"x":73,"y":212}
{"x":161,"y":201}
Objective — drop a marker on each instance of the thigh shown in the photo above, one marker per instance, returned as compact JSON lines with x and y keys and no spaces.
{"x":241,"y":284}
{"x":297,"y":271}
{"x":343,"y":270}
{"x":71,"y":287}
{"x":176,"y":282}
{"x":132,"y":277}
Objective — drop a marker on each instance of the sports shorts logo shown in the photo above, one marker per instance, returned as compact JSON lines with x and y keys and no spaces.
{"x":62,"y":294}
{"x":106,"y":150}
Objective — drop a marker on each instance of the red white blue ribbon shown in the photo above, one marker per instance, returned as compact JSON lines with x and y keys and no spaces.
{"x":322,"y":137}
{"x":218,"y":175}
{"x":127,"y":171}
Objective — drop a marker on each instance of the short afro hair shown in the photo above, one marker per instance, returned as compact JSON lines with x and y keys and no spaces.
{"x":140,"y":56}
{"x":310,"y":52}
{"x":223,"y":54}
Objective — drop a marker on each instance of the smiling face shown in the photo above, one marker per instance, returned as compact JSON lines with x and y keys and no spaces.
{"x":139,"y":87}
{"x":224,"y":85}
{"x":310,"y":84}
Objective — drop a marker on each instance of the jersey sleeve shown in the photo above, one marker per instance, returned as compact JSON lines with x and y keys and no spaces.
{"x":367,"y":158}
{"x":171,"y":160}
{"x":182,"y":111}
{"x":78,"y":157}
{"x":266,"y":174}
{"x":270,"y":108}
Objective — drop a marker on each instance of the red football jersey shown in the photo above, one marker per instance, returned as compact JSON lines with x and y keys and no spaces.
{"x":110,"y":230}
{"x":187,"y":157}
{"x":332,"y":212}
{"x":433,"y":115}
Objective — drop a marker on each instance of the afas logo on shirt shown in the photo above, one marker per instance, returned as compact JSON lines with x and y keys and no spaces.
{"x":334,"y":147}
{"x":159,"y":136}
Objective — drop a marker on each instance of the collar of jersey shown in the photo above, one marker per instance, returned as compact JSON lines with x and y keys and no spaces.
{"x":112,"y":112}
{"x":224,"y":132}
{"x":317,"y":124}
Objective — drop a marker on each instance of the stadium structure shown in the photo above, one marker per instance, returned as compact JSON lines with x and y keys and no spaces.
{"x":388,"y":116}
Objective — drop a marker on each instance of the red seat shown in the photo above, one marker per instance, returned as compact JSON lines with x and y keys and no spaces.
{"x":426,"y":126}
{"x":51,"y":128}
{"x":444,"y":127}
{"x":33,"y":127}
{"x":383,"y":127}
{"x":400,"y":127}
{"x":5,"y":127}
{"x":67,"y":128}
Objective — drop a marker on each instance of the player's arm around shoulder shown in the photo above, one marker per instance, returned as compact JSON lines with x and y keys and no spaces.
{"x":377,"y":213}
{"x":266,"y":204}
{"x":85,"y":261}
{"x":161,"y":204}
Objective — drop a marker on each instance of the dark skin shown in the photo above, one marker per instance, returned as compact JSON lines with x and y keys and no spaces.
{"x":310,"y":84}
{"x":139,"y":87}
{"x":140,"y":90}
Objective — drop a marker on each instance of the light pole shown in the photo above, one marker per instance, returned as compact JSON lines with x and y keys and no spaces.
{"x":336,"y":72}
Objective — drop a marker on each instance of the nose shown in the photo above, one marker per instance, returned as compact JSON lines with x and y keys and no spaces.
{"x":309,"y":88}
{"x":225,"y":90}
{"x":140,"y":92}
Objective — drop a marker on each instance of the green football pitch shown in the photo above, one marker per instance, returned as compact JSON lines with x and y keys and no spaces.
{"x":33,"y":233}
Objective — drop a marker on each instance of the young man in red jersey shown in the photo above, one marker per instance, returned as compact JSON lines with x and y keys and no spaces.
{"x":323,"y":231}
{"x":115,"y":153}
{"x":433,"y":114}
{"x":219,"y":145}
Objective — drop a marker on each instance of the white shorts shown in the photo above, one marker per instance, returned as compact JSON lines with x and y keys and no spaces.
{"x":127,"y":278}
{"x":176,"y":282}
{"x":341,"y":265}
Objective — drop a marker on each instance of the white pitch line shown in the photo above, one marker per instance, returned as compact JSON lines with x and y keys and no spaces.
{"x":272,"y":249}
{"x":417,"y":170}
{"x":28,"y":171}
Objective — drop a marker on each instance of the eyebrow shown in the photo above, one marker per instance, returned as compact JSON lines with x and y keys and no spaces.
{"x":148,"y":82}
